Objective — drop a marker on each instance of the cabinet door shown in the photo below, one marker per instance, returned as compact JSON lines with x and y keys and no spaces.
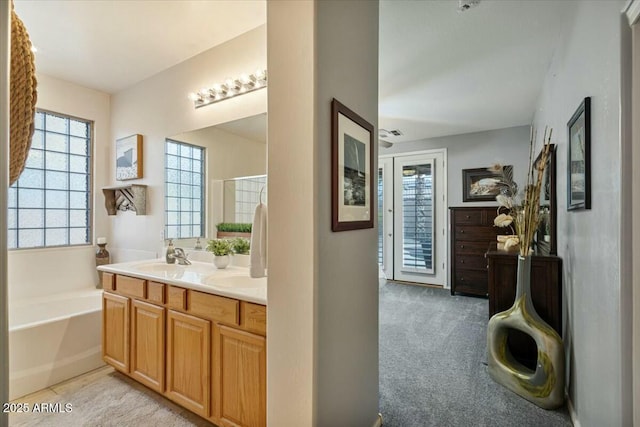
{"x":188,"y":361}
{"x":115,"y":331}
{"x":240,"y":380}
{"x":147,"y":344}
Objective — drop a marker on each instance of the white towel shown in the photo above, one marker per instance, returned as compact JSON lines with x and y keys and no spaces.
{"x":259,"y":242}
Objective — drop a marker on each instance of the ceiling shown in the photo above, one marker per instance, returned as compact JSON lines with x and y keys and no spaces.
{"x":442,"y":72}
{"x":111,"y":45}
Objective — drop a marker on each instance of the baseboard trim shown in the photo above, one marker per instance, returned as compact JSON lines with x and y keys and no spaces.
{"x":572,"y":413}
{"x":378,"y":422}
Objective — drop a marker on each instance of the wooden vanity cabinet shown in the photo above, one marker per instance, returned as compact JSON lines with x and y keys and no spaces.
{"x":147,"y":344}
{"x":240,"y":377}
{"x":115,"y":331}
{"x":205,"y":352}
{"x":188,"y":361}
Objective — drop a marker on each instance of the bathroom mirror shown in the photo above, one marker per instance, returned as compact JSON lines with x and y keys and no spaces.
{"x":545,"y":237}
{"x":241,"y":195}
{"x":198,"y":166}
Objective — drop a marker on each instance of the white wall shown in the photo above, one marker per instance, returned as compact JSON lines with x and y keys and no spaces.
{"x":158,"y":108}
{"x":65,"y":269}
{"x":508,"y":146}
{"x":323,"y":293}
{"x":587,"y":63}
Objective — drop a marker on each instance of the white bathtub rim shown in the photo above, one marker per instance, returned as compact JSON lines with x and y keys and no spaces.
{"x":92,"y":294}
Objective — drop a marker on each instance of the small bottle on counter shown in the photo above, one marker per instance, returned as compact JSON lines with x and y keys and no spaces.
{"x":170,"y":252}
{"x":102,"y":257}
{"x":198,"y":246}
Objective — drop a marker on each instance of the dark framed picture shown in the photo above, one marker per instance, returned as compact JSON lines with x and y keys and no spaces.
{"x":129,"y":158}
{"x":352,"y":165}
{"x":579,"y":158}
{"x":480,"y":185}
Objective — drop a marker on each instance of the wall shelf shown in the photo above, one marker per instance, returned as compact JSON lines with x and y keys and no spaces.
{"x":131,"y":197}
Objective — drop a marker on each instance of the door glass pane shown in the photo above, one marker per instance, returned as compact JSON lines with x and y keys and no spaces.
{"x":417,"y":216}
{"x":380,"y":220}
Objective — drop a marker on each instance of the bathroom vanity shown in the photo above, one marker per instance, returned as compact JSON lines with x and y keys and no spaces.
{"x":192,"y":333}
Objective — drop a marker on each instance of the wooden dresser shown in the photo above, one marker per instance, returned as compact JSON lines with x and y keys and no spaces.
{"x":546,"y":294}
{"x":472,"y":232}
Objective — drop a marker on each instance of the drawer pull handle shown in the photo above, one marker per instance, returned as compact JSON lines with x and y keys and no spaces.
{"x":461,"y":231}
{"x":468,"y":217}
{"x":461,"y":246}
{"x":461,"y":261}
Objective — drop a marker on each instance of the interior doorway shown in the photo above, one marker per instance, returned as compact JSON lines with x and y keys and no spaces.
{"x":412,"y":217}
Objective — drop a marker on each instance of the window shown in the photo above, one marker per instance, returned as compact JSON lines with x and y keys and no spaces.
{"x":50,"y":204}
{"x":184,"y":189}
{"x":248,"y":196}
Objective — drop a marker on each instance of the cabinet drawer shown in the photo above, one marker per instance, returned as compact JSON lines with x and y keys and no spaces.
{"x":465,"y":247}
{"x":476,"y":234}
{"x":472,"y":262}
{"x":213,"y":307}
{"x":471,"y":281}
{"x":130,"y":286}
{"x":468,"y":217}
{"x":177,"y":298}
{"x":108,"y":281}
{"x":253,"y":317}
{"x":155,"y":292}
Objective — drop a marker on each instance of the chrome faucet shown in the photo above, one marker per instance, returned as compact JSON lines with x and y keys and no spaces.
{"x":181,"y":256}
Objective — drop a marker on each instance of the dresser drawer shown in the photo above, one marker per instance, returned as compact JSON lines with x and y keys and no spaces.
{"x":471,"y":282}
{"x":468,"y":217}
{"x":131,"y":286}
{"x":471,"y":262}
{"x":465,"y":247}
{"x":476,"y":234}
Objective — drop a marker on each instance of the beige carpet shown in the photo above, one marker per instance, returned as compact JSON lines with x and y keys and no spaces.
{"x":104,"y":398}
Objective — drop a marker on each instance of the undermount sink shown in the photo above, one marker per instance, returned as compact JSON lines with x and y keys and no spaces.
{"x":160,"y":267}
{"x":238,"y":282}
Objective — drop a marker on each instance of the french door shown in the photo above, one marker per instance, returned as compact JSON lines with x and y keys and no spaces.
{"x":412,"y":217}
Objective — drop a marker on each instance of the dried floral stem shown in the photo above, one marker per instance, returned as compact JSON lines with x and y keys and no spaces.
{"x":529,"y":214}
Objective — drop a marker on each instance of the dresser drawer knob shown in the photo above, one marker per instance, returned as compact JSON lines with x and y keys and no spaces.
{"x":461,"y":231}
{"x":461,"y":261}
{"x":468,"y":216}
{"x":461,"y":246}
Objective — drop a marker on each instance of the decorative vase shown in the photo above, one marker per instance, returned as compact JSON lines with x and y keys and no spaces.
{"x":102,"y":257}
{"x":544,"y":386}
{"x":221,"y":261}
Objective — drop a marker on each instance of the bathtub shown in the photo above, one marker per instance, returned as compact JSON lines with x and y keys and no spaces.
{"x":53,"y":338}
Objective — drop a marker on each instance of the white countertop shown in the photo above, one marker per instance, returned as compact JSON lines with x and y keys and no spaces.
{"x":232,"y":282}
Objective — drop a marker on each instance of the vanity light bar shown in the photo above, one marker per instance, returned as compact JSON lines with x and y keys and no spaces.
{"x":231,"y":87}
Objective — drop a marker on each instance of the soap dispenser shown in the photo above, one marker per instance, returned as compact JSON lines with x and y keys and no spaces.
{"x":170,"y":252}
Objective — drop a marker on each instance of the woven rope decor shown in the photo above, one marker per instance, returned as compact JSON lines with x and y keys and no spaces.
{"x":23,"y":96}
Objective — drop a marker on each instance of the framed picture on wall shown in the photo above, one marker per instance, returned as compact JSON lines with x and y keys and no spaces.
{"x":579,"y":158}
{"x":480,"y":184}
{"x":129,"y":158}
{"x":352,"y":169}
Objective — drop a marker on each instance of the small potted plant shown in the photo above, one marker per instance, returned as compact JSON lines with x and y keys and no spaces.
{"x":221,"y":248}
{"x":240,"y":247}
